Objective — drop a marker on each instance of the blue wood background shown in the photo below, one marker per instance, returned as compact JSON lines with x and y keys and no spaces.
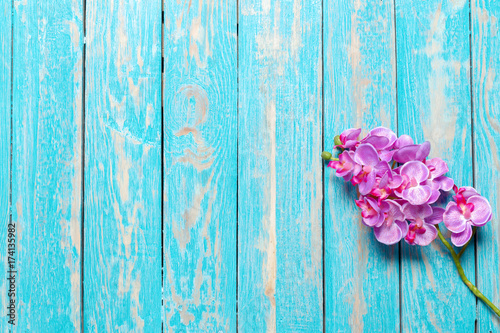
{"x":161,"y":162}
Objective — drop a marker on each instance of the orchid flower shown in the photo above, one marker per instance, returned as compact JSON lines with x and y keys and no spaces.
{"x":393,"y":226}
{"x":367,"y":157}
{"x":417,"y":192}
{"x":349,"y":138}
{"x":463,"y":213}
{"x":345,"y":165}
{"x":390,"y":198}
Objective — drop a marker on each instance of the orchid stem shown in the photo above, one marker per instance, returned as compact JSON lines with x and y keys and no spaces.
{"x":461,"y":272}
{"x":465,"y":246}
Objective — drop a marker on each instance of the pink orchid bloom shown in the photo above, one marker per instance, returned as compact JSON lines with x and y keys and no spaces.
{"x":345,"y":166}
{"x":403,"y":141}
{"x":367,"y":157}
{"x":385,"y":185}
{"x":416,"y":192}
{"x":412,"y":152}
{"x":349,"y":138}
{"x":370,"y":211}
{"x":466,"y":211}
{"x":423,"y":218}
{"x":382,"y":139}
{"x":437,"y":181}
{"x":393,"y":227}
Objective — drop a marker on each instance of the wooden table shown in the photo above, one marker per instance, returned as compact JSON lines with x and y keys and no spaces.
{"x":170,"y":175}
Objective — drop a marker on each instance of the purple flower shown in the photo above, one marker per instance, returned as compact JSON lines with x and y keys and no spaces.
{"x":412,"y":152}
{"x":349,"y":138}
{"x":393,"y":227}
{"x":382,"y":139}
{"x":370,"y":211}
{"x":367,"y":157}
{"x":403,"y":141}
{"x":416,"y":192}
{"x":385,"y":185}
{"x":466,"y":211}
{"x":345,"y":165}
{"x":423,"y":218}
{"x":437,"y":181}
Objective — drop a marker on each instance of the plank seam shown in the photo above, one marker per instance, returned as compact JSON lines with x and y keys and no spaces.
{"x":400,"y":279}
{"x":82,"y":233}
{"x":473,"y":149}
{"x":237,"y":152}
{"x":162,"y":161}
{"x":323,"y":166}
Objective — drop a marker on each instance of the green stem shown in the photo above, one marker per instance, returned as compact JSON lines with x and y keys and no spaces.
{"x":469,"y":284}
{"x":465,"y":246}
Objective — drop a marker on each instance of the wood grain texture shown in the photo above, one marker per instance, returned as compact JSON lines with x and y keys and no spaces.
{"x":46,"y":171}
{"x":279,"y":172}
{"x":5,"y":127}
{"x":122,"y":266}
{"x":361,"y":275}
{"x":486,"y":102}
{"x":434,"y":105}
{"x":200,"y":117}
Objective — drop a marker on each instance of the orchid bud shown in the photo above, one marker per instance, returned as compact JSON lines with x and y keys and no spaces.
{"x":336,"y":140}
{"x":326,"y":155}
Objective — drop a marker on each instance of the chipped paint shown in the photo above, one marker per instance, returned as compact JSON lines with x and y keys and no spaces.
{"x":269,"y":221}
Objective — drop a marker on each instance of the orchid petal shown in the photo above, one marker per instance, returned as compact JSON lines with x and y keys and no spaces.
{"x":378,"y":142}
{"x":367,"y":185}
{"x":403,"y":141}
{"x":453,"y":218}
{"x":417,"y":195}
{"x":413,"y":212}
{"x":461,"y":238}
{"x":435,"y":194}
{"x":415,"y":169}
{"x":436,"y":217}
{"x":430,"y":234}
{"x":403,"y":225}
{"x":366,"y":155}
{"x":445,"y":183}
{"x":439,"y":167}
{"x":482,"y":210}
{"x":388,"y":234}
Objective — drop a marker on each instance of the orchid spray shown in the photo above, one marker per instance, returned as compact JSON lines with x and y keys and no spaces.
{"x":398,"y":189}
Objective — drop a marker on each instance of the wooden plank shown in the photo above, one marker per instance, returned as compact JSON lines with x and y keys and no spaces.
{"x":122,"y":266}
{"x":47,"y":159}
{"x":200,"y":135}
{"x":361,"y":275}
{"x":434,"y":105}
{"x":5,"y":118}
{"x":486,"y":102}
{"x":279,"y":173}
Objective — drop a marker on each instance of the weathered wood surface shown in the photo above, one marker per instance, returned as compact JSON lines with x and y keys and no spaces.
{"x":486,"y":110}
{"x":196,"y":200}
{"x":280,"y":186}
{"x":434,"y":104}
{"x":361,"y":275}
{"x":122,"y":221}
{"x":200,"y":166}
{"x":46,"y":163}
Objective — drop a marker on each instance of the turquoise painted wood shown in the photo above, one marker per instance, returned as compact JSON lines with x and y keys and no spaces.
{"x":46,"y":163}
{"x":486,"y":102}
{"x":195,"y":199}
{"x":122,"y":222}
{"x":5,"y":127}
{"x":279,"y":175}
{"x":200,"y":166}
{"x":361,"y":276}
{"x":434,"y":104}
